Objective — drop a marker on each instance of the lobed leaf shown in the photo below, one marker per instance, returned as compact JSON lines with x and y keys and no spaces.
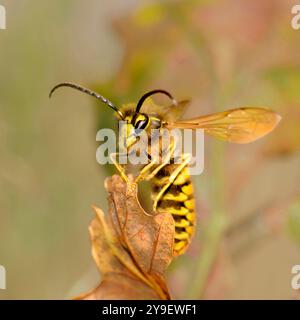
{"x":131,"y":248}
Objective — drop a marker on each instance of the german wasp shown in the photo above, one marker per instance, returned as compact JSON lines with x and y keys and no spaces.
{"x":172,"y":189}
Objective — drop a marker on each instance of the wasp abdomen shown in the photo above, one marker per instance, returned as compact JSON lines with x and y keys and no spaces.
{"x":178,"y":199}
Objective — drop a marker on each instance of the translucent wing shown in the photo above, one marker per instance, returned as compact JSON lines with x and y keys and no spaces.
{"x":169,"y":113}
{"x":240,"y":125}
{"x":174,"y":112}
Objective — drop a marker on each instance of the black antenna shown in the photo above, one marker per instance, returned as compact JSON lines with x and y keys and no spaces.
{"x":89,"y":92}
{"x":150,"y":93}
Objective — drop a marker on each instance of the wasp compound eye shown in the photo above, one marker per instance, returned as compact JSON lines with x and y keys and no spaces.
{"x":140,"y":123}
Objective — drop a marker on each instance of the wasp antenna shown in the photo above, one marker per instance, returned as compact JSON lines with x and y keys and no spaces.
{"x":150,"y":93}
{"x":89,"y":92}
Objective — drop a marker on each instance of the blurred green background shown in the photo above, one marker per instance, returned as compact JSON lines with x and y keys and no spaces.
{"x":221,"y":54}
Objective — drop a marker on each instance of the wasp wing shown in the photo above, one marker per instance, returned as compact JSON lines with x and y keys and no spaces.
{"x":240,"y":125}
{"x":175,"y":112}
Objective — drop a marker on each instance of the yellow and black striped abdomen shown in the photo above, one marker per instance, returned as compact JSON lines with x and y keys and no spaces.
{"x":178,"y":199}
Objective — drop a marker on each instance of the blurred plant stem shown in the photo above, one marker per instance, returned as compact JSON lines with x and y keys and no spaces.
{"x":212,"y":237}
{"x":214,"y":228}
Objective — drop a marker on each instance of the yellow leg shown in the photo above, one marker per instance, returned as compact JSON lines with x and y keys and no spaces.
{"x":119,"y":167}
{"x":186,"y":158}
{"x":156,"y":170}
{"x":145,"y":173}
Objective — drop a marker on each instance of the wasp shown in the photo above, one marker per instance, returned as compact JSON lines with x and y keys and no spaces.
{"x":172,"y":188}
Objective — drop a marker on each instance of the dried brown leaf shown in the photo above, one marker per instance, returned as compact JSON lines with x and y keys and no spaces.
{"x":115,"y":286}
{"x":131,"y":248}
{"x":149,"y":238}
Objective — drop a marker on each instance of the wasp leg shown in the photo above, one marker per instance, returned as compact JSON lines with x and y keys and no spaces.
{"x":166,"y":161}
{"x":119,"y":167}
{"x":146,"y":174}
{"x":186,"y":158}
